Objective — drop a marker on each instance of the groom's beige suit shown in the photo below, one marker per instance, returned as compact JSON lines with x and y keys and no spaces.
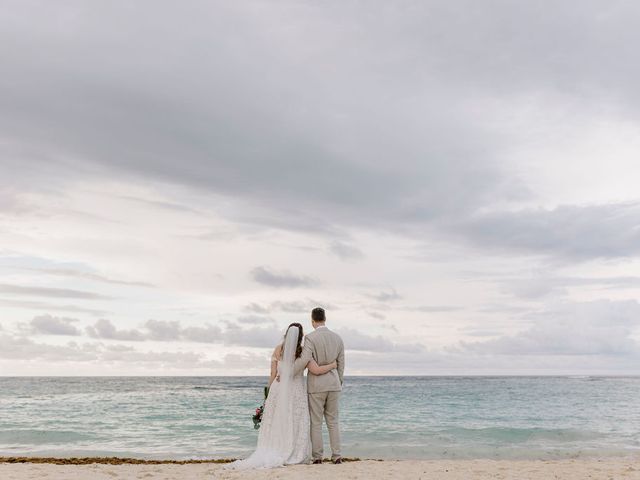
{"x":324,"y":346}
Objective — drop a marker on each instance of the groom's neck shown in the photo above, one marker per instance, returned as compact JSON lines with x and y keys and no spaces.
{"x":318,"y":325}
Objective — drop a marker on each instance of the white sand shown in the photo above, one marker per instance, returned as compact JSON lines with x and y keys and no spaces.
{"x":578,"y":469}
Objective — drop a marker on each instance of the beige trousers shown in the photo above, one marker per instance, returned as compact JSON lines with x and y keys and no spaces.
{"x":324,"y":404}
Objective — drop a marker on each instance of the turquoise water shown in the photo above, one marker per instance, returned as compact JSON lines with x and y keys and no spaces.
{"x":381,"y":417}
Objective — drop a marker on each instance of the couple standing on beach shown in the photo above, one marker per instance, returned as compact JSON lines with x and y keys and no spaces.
{"x":291,"y":430}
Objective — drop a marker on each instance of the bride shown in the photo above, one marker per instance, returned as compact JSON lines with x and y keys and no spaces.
{"x":284,"y":438}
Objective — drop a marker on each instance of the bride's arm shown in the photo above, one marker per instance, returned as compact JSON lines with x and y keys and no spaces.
{"x":274,"y":365}
{"x":320,"y":370}
{"x":274,"y":371}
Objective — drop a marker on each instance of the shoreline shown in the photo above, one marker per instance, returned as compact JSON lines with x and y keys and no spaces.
{"x":627,"y":468}
{"x":130,"y":461}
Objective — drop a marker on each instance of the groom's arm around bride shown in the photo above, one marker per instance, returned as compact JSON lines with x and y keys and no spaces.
{"x":324,"y":347}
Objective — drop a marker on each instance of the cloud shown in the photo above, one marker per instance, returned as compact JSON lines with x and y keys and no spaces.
{"x":338,"y":168}
{"x":261,"y":337}
{"x":37,"y":305}
{"x":355,"y":340}
{"x":431,"y":308}
{"x":255,"y":320}
{"x":257,"y":308}
{"x":206,"y":334}
{"x":130,"y":355}
{"x":339,"y":171}
{"x":105,"y":329}
{"x":13,"y":201}
{"x":280,"y":279}
{"x":25,"y":352}
{"x":172,"y":206}
{"x":345,"y":251}
{"x":174,"y":331}
{"x":49,"y":325}
{"x":568,"y":232}
{"x":389,"y":326}
{"x":601,"y":327}
{"x":489,"y":135}
{"x":163,"y":330}
{"x":386,"y":296}
{"x":542,"y":285}
{"x":68,"y":272}
{"x":295,"y":306}
{"x":106,"y":356}
{"x":23,"y":348}
{"x":50,"y":292}
{"x":257,"y":335}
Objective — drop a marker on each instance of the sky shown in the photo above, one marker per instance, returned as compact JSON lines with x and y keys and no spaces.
{"x":456,"y":183}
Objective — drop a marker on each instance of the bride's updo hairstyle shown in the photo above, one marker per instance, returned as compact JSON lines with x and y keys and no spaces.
{"x":300,"y":335}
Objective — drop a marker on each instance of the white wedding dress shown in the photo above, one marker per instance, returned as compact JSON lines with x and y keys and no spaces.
{"x":283,"y":438}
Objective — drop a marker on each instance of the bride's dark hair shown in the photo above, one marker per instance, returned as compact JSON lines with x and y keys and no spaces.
{"x":300,"y":335}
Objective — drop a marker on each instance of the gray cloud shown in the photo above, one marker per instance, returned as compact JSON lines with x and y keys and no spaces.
{"x":257,"y":308}
{"x":355,"y":340}
{"x":413,"y":125}
{"x":431,"y":308}
{"x":265,"y":337}
{"x":345,"y":251}
{"x":23,"y":348}
{"x":218,"y":122}
{"x":257,"y":335}
{"x":68,"y":272}
{"x":280,"y":279}
{"x":566,"y":232}
{"x":386,"y":296}
{"x":157,"y":330}
{"x":294,"y":306}
{"x":388,"y":362}
{"x":50,"y":292}
{"x":255,"y":320}
{"x":50,"y":325}
{"x":172,"y":206}
{"x":163,"y":330}
{"x":20,"y":347}
{"x":46,"y":306}
{"x":480,"y":332}
{"x":12,"y":201}
{"x":174,"y":331}
{"x":206,"y":334}
{"x":338,"y":170}
{"x":105,"y":329}
{"x":130,"y":355}
{"x":389,"y":326}
{"x":600,"y":327}
{"x":543,"y":285}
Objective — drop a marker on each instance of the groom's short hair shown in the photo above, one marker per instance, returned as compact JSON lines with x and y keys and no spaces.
{"x":317,"y":314}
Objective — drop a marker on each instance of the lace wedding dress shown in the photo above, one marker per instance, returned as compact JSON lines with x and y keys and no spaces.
{"x":283,"y":438}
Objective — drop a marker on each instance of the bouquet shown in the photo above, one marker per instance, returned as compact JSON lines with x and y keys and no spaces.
{"x":257,"y":417}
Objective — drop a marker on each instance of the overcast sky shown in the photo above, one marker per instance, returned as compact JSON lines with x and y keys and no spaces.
{"x":455,"y":182}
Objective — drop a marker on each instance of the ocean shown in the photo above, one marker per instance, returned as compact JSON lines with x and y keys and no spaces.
{"x":381,"y":417}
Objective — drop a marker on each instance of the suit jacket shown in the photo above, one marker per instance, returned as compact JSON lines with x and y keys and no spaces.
{"x":324,"y":346}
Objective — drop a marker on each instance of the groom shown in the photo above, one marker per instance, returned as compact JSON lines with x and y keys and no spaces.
{"x":324,"y":346}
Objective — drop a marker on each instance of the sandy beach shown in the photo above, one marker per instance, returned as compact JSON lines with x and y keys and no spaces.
{"x":573,"y":469}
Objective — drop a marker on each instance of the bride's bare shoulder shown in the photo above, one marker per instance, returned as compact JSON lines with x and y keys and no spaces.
{"x":277,"y":353}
